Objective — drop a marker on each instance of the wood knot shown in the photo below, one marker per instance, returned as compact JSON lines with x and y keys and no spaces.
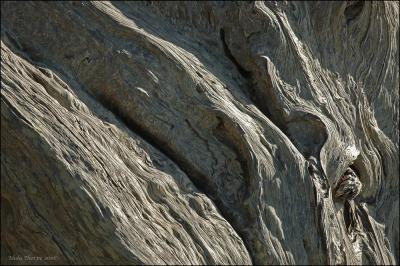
{"x":348,"y":186}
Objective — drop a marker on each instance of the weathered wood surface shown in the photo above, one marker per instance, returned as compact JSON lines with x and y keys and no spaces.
{"x":200,"y":132}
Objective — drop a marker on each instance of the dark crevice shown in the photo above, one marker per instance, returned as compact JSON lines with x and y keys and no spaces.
{"x":200,"y":181}
{"x":319,"y":209}
{"x":306,"y":131}
{"x":347,"y":215}
{"x":353,"y":10}
{"x":258,"y":97}
{"x":228,"y":53}
{"x":355,"y":169}
{"x":221,"y":133}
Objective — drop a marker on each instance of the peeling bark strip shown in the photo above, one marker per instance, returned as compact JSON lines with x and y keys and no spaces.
{"x":200,"y":132}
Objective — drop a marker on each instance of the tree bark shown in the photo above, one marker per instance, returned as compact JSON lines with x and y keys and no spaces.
{"x":200,"y":132}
